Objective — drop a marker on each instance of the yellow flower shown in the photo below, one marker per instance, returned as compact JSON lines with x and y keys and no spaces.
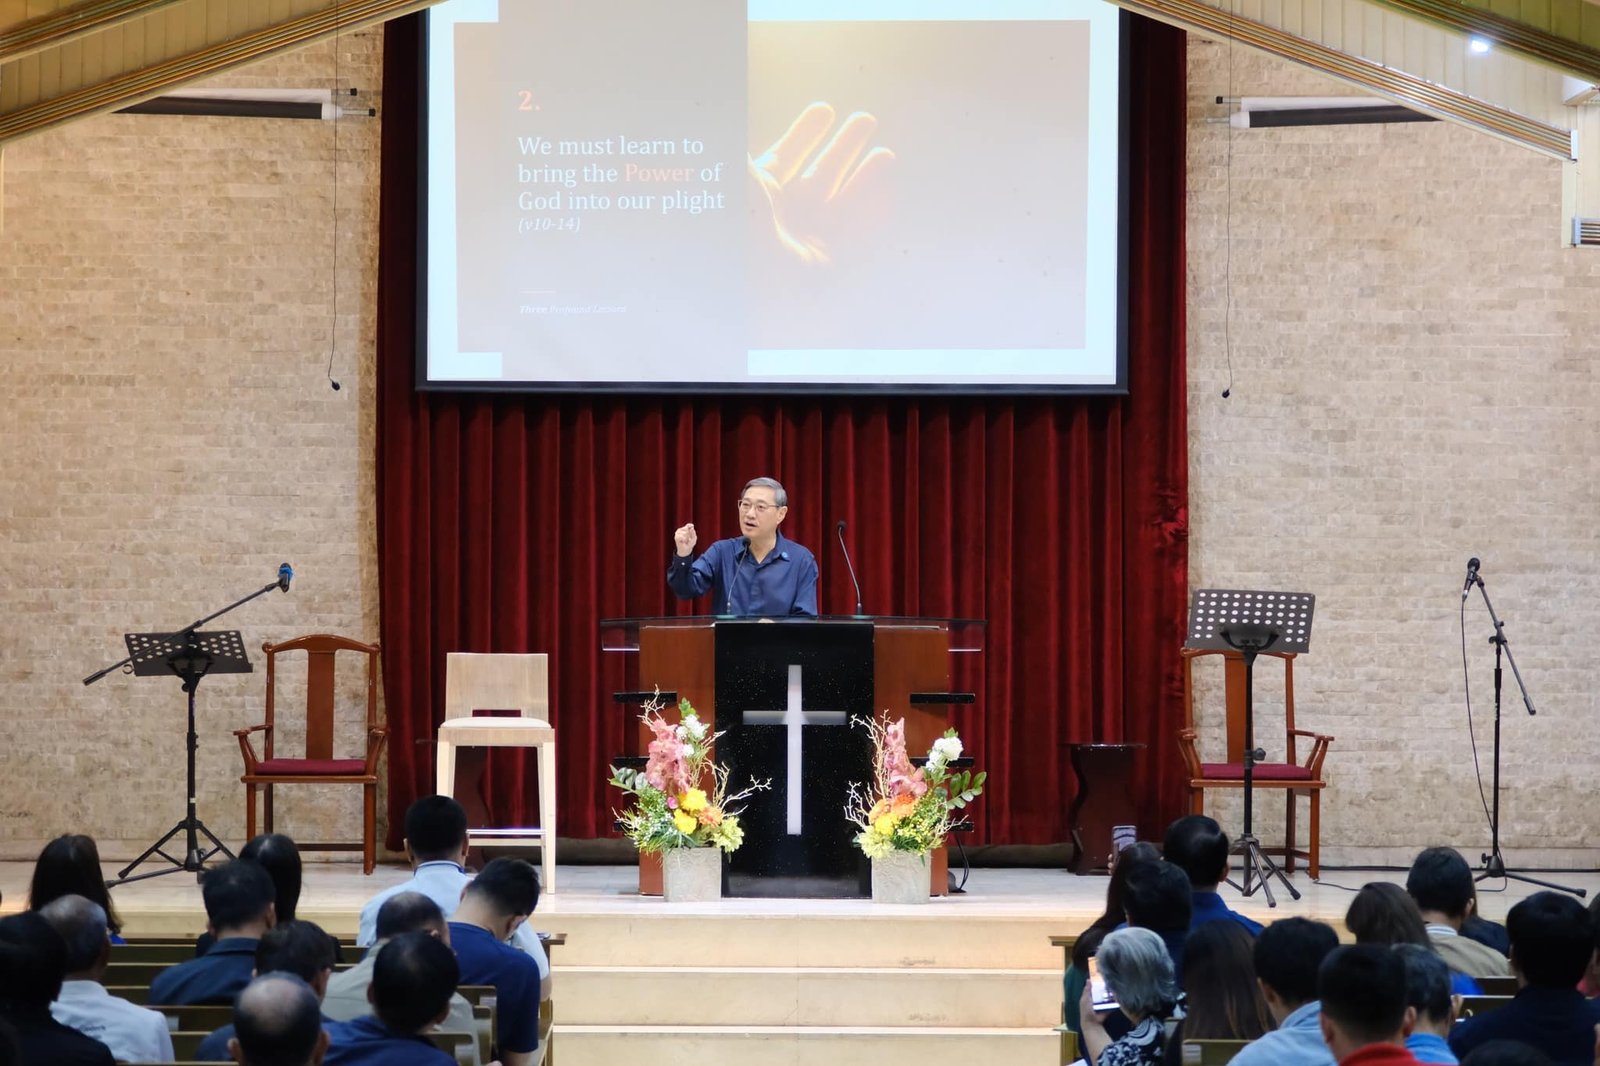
{"x":693,"y":800}
{"x":684,"y":821}
{"x":885,"y":826}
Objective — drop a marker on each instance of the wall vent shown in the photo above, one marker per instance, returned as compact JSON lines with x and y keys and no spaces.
{"x":1586,"y":231}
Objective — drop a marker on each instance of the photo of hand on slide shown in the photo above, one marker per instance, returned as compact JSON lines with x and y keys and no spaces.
{"x":815,"y":207}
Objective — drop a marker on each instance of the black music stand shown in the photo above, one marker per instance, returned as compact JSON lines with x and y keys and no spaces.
{"x":191,"y":656}
{"x":1251,"y":622}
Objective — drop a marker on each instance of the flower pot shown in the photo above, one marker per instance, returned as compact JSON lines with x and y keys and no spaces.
{"x":900,"y":877}
{"x":691,"y":875}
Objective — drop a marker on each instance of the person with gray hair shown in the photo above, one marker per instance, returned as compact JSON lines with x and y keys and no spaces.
{"x":760,"y":574}
{"x":1138,"y":973}
{"x":133,"y":1033}
{"x":277,"y":1021}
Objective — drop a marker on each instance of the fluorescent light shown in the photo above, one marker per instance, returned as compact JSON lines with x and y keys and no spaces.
{"x":1478,"y":46}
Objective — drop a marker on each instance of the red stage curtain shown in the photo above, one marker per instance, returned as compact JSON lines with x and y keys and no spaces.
{"x":515,"y":523}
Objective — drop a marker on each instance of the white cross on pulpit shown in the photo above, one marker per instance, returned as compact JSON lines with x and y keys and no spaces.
{"x":792,"y":717}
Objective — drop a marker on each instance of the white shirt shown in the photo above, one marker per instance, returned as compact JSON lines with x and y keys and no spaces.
{"x":133,"y":1033}
{"x":442,"y":882}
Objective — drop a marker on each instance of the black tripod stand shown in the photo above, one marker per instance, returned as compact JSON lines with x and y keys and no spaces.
{"x":1494,"y":864}
{"x":191,"y":655}
{"x":1251,"y":623}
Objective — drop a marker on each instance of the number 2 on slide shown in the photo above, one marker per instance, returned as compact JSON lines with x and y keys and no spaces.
{"x":525,"y":100}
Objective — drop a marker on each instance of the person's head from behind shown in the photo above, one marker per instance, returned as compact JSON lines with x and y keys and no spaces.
{"x":1198,"y":846}
{"x":1427,"y":988}
{"x":1506,"y":1053}
{"x":1441,"y":882}
{"x":280,"y":857}
{"x":1219,"y":974}
{"x":1116,"y":911}
{"x":238,"y":897}
{"x":1138,"y":971}
{"x":1363,"y":992}
{"x":1287,"y":955}
{"x":501,"y":897}
{"x":277,"y":1021}
{"x":1552,"y":940}
{"x":33,"y":960}
{"x":413,"y":979}
{"x":81,"y":924}
{"x":411,"y":912}
{"x":70,"y":866}
{"x":1384,"y":913}
{"x":762,"y":506}
{"x":1592,"y":977}
{"x":436,"y":831}
{"x":298,"y":948}
{"x":1158,"y":897}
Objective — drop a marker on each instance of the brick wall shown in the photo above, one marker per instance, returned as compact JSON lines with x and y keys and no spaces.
{"x":1412,"y":384}
{"x":165,"y":318}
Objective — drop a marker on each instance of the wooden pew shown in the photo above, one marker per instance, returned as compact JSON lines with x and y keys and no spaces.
{"x":1471,"y":1005}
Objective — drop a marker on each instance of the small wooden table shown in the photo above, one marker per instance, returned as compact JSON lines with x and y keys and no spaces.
{"x":1104,"y":799}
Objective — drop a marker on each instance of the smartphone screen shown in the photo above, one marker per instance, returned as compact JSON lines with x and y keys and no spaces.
{"x":1099,"y":994}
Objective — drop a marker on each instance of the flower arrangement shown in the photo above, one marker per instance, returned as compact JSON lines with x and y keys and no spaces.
{"x":673,"y":805}
{"x":908,"y":808}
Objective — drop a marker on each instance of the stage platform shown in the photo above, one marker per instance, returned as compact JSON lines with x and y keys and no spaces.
{"x":770,"y":981}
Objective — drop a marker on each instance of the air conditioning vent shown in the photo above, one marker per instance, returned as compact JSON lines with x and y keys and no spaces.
{"x":1586,"y":231}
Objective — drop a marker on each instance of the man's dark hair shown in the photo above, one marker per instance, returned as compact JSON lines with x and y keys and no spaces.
{"x":277,"y":1020}
{"x":408,"y":912}
{"x":1552,"y":939}
{"x":1198,"y":846}
{"x":1363,"y":988}
{"x":33,"y":960}
{"x":413,"y":979}
{"x":1427,"y":981}
{"x":300,"y":948}
{"x":436,"y":827}
{"x":235,"y":893}
{"x":1287,"y":955}
{"x":280,"y":857}
{"x":82,"y":925}
{"x":1158,"y":897}
{"x":1440,"y":880}
{"x":511,"y":886}
{"x":1506,"y":1053}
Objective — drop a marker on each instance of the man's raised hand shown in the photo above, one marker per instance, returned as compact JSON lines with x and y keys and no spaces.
{"x":685,"y":539}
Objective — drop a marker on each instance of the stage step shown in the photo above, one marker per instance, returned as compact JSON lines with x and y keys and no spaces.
{"x":781,"y":1045}
{"x":793,"y":996}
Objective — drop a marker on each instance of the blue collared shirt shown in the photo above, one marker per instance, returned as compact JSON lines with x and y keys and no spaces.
{"x":214,"y":978}
{"x":1426,"y":1047}
{"x":1209,"y":907}
{"x":442,"y":882}
{"x":1557,"y":1021}
{"x":782,"y":584}
{"x":367,"y":1040}
{"x":1297,"y":1042}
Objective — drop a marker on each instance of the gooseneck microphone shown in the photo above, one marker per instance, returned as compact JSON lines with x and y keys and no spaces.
{"x":1472,"y":577}
{"x":285,"y":575}
{"x":839,"y":530}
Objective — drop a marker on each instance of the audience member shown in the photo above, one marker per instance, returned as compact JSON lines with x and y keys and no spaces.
{"x":1509,"y":1053}
{"x":1287,"y":955}
{"x":1428,"y":996}
{"x":280,"y":857}
{"x":300,"y":949}
{"x":1138,"y":975}
{"x":412,"y":982}
{"x":1384,"y":913}
{"x":1158,"y":899}
{"x":1590,"y":985}
{"x":1114,"y":915}
{"x":70,"y":866}
{"x":409,"y":912}
{"x":1552,"y":940}
{"x":495,"y":905}
{"x":238,"y":900}
{"x":1441,"y":882}
{"x":1363,"y":994}
{"x":1198,"y":846}
{"x":436,"y":845}
{"x":133,"y":1033}
{"x":1490,"y":934}
{"x":276,"y":1023}
{"x":1223,"y":1000}
{"x":33,"y":962}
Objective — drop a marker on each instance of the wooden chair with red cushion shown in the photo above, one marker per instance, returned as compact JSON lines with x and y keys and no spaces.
{"x":318,"y":766}
{"x":1290,"y":776}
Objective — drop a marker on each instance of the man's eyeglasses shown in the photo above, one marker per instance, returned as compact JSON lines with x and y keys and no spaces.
{"x":755,"y":506}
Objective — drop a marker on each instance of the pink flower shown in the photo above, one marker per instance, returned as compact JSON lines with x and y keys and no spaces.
{"x":904,"y":780}
{"x":666,"y":769}
{"x":672,"y":803}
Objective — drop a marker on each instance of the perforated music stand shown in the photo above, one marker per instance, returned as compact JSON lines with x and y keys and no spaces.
{"x":191,"y":656}
{"x":1251,"y":622}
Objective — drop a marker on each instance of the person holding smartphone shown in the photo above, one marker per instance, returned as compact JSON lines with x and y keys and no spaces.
{"x":1136,"y":977}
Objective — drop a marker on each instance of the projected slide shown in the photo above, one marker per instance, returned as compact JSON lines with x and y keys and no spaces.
{"x":774,"y":195}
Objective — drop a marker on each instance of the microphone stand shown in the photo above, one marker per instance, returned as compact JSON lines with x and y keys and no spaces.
{"x":839,"y":530}
{"x":190,"y":628}
{"x":1494,"y":864}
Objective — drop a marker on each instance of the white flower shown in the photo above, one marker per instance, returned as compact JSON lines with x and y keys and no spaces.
{"x":683,"y":732}
{"x":687,"y":750}
{"x":945,"y":750}
{"x":696,"y":728}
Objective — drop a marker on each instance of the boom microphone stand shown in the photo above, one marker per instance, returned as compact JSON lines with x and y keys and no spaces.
{"x":1494,"y":864}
